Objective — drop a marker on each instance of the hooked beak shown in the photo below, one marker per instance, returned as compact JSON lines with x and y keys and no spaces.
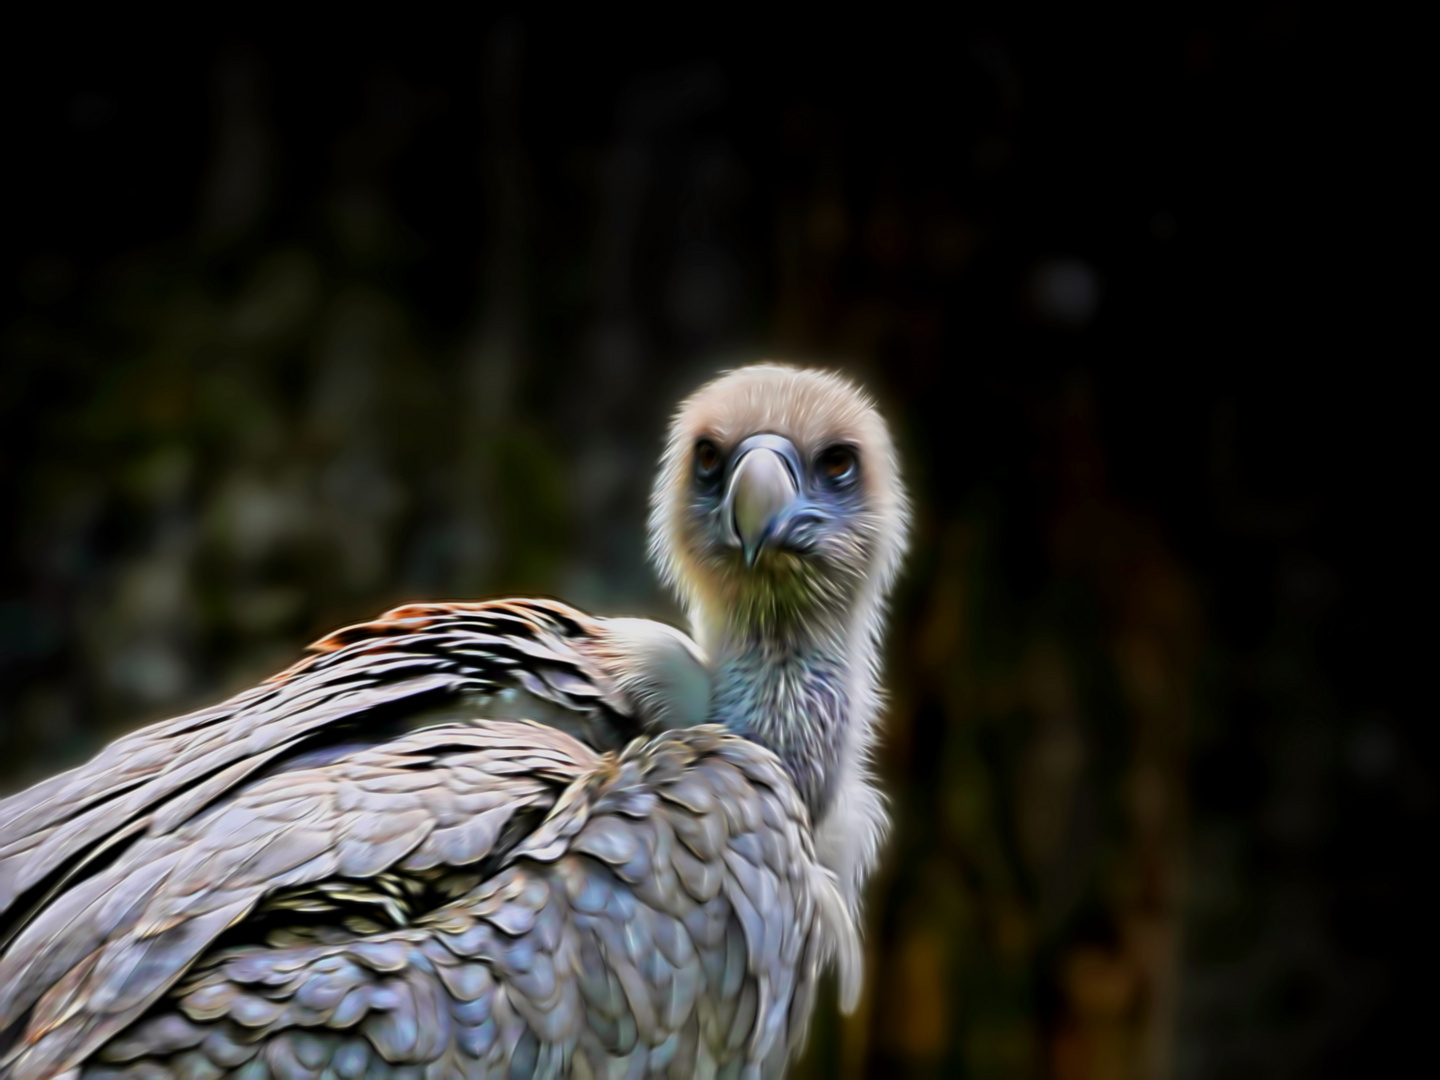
{"x":762,"y":496}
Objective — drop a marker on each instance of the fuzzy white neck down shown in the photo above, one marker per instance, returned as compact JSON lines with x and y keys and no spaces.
{"x":811,"y":694}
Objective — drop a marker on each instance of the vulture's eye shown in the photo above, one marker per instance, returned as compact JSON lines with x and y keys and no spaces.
{"x":839,"y":465}
{"x":707,"y":459}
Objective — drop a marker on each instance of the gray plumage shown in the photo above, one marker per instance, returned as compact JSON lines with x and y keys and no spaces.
{"x":295,"y":884}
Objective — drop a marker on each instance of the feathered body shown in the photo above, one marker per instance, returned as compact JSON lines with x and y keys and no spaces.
{"x":294,"y":884}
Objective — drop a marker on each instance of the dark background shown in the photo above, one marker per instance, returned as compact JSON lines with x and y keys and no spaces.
{"x":299,"y":325}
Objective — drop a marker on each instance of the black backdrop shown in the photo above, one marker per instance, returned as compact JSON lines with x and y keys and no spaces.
{"x":301,"y":323}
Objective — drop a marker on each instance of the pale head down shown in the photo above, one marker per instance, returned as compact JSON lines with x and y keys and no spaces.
{"x":779,"y":503}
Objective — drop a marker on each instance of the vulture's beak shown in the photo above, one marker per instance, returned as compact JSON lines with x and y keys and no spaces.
{"x":763,"y":500}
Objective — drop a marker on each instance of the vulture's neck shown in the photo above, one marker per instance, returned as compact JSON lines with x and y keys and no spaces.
{"x":805,"y":691}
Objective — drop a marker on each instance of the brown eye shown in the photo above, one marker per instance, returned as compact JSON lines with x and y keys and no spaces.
{"x":838,"y":465}
{"x":707,"y":457}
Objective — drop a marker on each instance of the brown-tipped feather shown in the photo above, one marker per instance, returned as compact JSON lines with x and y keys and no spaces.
{"x":351,"y":681}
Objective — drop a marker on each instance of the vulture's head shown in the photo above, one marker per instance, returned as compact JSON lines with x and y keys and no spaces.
{"x":779,"y":502}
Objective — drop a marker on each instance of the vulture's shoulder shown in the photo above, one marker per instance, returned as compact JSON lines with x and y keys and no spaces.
{"x":605,"y":680}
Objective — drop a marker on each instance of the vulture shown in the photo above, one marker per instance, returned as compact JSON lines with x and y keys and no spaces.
{"x":502,"y":839}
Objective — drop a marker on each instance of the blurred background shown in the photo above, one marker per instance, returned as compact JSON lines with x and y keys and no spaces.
{"x":299,"y":327}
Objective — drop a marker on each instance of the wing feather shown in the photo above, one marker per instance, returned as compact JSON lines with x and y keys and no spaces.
{"x":665,"y":911}
{"x":354,"y":679}
{"x":125,"y":936}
